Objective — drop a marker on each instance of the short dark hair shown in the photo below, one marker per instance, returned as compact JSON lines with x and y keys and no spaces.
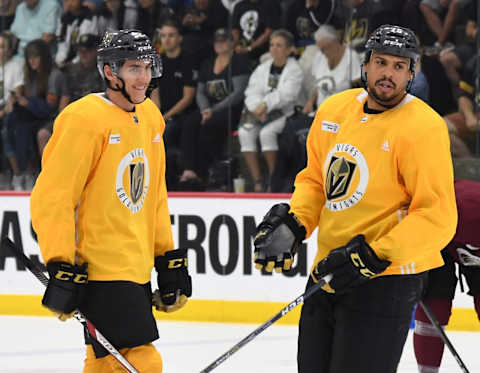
{"x":171,"y":22}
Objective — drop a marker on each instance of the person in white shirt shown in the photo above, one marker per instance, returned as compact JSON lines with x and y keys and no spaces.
{"x":335,"y":67}
{"x":76,"y":21}
{"x":11,"y":69}
{"x":271,"y":94}
{"x":11,"y":83}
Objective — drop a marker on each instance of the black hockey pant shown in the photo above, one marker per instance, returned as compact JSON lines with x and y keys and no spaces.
{"x":362,"y":331}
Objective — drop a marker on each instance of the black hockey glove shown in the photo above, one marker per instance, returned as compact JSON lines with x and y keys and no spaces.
{"x":66,"y":288}
{"x":350,"y":266}
{"x":174,"y":282}
{"x":277,"y":239}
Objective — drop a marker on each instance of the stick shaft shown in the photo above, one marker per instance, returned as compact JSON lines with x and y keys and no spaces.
{"x":93,"y":331}
{"x":443,"y":336}
{"x":268,"y":323}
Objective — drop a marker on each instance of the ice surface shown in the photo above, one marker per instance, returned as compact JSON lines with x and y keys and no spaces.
{"x":44,"y":344}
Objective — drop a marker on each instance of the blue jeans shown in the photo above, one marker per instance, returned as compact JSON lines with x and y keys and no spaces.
{"x":18,"y":138}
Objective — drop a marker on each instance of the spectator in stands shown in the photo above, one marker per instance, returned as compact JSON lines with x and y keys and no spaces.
{"x":175,"y":92}
{"x":336,"y":67}
{"x":115,"y":15}
{"x":441,"y":17}
{"x":292,"y":152}
{"x":79,"y":79}
{"x":11,"y":81}
{"x":253,"y":22}
{"x":464,"y":124}
{"x":358,"y":18}
{"x":7,"y":13}
{"x":76,"y":20}
{"x":441,"y":97}
{"x":11,"y":70}
{"x":270,"y":96}
{"x":35,"y":19}
{"x":420,"y":87}
{"x":454,"y":59}
{"x":220,"y":91}
{"x":151,"y":15}
{"x":31,"y":109}
{"x":306,"y":16}
{"x":412,"y":17}
{"x":82,"y":77}
{"x":199,"y":21}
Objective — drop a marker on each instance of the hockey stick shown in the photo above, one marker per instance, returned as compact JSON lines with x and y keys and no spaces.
{"x":443,"y":336}
{"x":261,"y":328}
{"x":93,"y":331}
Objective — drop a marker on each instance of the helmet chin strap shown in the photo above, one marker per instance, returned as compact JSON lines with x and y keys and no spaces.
{"x":123,"y":91}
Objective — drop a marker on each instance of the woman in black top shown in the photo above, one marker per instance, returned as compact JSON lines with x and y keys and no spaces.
{"x":221,"y":83}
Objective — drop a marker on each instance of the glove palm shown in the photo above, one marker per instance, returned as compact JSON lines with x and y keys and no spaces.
{"x":277,"y":239}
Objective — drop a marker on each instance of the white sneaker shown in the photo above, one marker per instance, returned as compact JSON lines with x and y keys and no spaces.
{"x":17,"y":182}
{"x":29,"y":181}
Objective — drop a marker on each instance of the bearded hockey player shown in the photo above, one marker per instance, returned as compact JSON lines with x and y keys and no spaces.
{"x":378,"y":186}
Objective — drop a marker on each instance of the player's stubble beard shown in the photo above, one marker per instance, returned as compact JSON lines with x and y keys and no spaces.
{"x":383,"y":99}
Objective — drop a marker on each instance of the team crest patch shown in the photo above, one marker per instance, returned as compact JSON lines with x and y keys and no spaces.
{"x":133,"y":177}
{"x":346,"y":177}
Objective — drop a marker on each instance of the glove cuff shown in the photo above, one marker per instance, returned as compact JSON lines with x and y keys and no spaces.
{"x":280,"y":213}
{"x":369,"y":256}
{"x":172,"y":260}
{"x":66,"y":286}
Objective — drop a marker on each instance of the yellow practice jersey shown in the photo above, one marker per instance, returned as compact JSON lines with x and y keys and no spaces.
{"x":101,"y":196}
{"x":388,"y":176}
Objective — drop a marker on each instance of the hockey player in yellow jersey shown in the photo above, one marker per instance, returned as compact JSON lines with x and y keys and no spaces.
{"x":378,"y":185}
{"x":99,"y":208}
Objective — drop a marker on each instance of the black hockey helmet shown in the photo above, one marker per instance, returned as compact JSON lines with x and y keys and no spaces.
{"x":119,"y":46}
{"x":393,"y":40}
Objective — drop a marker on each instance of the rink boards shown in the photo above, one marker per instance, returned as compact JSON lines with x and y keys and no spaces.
{"x":217,"y":229}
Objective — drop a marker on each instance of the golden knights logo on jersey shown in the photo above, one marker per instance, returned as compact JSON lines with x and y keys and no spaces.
{"x":133,"y":177}
{"x":339,"y":177}
{"x":346,"y":177}
{"x":137,"y":175}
